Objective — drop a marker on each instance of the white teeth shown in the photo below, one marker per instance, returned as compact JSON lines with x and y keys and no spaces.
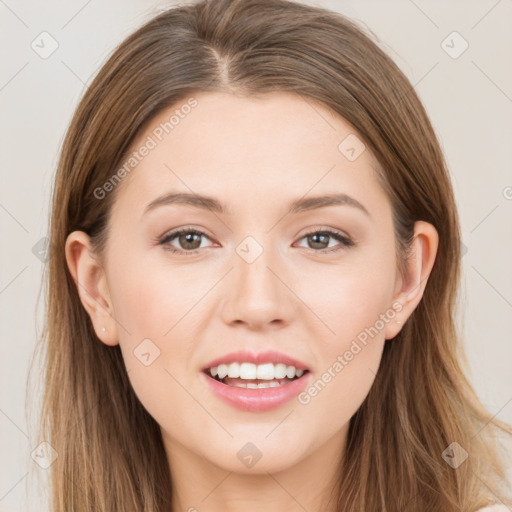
{"x":222,"y":370}
{"x":250,"y":371}
{"x":268,"y":384}
{"x":234,"y":370}
{"x":247,"y":371}
{"x":290,"y":372}
{"x":261,"y":385}
{"x":265,"y":371}
{"x":280,"y":371}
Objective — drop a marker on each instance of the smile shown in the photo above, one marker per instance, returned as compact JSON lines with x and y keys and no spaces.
{"x":255,"y":387}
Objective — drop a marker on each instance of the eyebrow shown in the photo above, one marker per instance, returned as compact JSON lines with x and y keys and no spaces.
{"x":210,"y":203}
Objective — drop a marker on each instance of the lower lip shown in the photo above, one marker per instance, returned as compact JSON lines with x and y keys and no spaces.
{"x":259,"y":399}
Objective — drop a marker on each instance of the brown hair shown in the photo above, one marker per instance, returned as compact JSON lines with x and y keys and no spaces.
{"x":110,"y":452}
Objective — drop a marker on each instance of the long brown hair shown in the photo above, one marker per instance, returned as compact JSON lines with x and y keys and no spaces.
{"x":110,"y":451}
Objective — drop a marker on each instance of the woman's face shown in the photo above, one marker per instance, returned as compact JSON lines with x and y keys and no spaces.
{"x":259,"y":277}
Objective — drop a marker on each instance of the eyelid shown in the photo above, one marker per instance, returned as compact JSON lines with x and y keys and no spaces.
{"x":344,"y":239}
{"x":173,"y":233}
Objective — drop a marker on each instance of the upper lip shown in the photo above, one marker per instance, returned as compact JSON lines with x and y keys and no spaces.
{"x":245,"y":356}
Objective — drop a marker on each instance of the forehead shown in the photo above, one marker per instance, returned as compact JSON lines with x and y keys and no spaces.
{"x":244,"y":149}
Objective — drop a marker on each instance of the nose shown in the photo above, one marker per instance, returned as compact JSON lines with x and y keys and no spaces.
{"x":258,"y":294}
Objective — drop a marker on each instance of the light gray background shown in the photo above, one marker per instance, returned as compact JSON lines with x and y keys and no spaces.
{"x":468,"y":98}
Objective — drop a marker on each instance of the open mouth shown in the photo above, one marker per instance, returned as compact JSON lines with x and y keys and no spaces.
{"x":251,"y":376}
{"x":256,"y":386}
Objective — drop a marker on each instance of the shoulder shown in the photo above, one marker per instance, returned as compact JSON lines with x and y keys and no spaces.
{"x":494,"y":508}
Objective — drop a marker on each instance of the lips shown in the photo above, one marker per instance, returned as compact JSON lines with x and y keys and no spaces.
{"x":256,"y":400}
{"x":260,"y":391}
{"x":244,"y":356}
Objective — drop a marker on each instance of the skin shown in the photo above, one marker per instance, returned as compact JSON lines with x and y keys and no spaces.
{"x":256,"y":155}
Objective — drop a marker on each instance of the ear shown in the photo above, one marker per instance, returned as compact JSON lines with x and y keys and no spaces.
{"x":90,"y":280}
{"x":410,"y":285}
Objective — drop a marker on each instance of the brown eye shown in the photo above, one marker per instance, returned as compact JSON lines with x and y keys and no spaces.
{"x":189,"y":241}
{"x":319,"y":240}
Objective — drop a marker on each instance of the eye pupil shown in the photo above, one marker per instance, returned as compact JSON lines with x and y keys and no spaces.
{"x":187,"y":238}
{"x":317,"y":236}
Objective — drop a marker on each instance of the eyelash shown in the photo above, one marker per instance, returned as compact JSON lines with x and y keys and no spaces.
{"x":345,"y":241}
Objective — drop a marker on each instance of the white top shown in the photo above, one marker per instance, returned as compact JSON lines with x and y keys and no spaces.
{"x":495,"y":508}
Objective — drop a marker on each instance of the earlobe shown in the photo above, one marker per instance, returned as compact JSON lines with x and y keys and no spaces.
{"x":411,"y":285}
{"x":91,"y":285}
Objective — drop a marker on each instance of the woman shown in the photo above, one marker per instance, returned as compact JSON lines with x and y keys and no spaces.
{"x":252,"y":282}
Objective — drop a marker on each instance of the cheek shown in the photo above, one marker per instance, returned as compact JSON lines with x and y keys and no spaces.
{"x":356,"y":310}
{"x":354,"y":303}
{"x":348,"y":297}
{"x":151,"y":296}
{"x":151,"y":303}
{"x":339,"y":389}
